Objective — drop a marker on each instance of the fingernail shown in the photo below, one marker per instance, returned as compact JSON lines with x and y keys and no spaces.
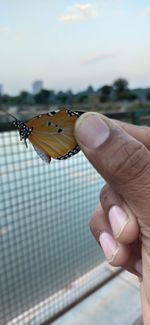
{"x":138,"y":266}
{"x":91,"y":131}
{"x":109,"y":245}
{"x":118,"y":220}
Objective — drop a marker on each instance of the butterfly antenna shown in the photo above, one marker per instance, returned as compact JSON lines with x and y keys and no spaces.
{"x":5,"y":112}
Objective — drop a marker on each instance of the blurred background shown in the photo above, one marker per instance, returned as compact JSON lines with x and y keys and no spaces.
{"x":76,"y":53}
{"x":82,"y":55}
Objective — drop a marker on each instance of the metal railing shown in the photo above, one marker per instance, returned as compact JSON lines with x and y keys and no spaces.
{"x":48,"y":258}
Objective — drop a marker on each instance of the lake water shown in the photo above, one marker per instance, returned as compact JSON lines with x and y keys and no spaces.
{"x":45,"y":243}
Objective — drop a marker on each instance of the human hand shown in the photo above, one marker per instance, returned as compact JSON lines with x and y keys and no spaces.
{"x":121,"y":222}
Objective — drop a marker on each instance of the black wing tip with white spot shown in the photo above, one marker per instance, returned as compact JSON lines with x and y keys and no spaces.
{"x":70,"y":153}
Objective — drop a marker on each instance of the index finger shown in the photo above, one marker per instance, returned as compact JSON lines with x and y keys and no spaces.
{"x":140,"y":133}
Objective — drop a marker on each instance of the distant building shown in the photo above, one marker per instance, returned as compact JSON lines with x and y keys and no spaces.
{"x":1,"y":89}
{"x":37,"y":86}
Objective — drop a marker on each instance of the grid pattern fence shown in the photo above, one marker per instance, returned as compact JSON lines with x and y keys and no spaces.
{"x":47,"y":253}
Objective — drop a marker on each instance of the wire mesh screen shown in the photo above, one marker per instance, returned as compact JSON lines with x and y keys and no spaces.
{"x":46,"y":249}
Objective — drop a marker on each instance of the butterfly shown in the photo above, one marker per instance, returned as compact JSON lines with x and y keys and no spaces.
{"x":51,"y":134}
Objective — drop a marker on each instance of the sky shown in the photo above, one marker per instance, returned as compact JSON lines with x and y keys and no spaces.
{"x":73,"y":44}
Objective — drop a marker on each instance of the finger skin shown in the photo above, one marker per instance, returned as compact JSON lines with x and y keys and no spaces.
{"x":145,"y":306}
{"x":130,"y":232}
{"x":140,"y":133}
{"x":120,"y":158}
{"x":127,"y":255}
{"x":99,"y":224}
{"x":124,"y":162}
{"x":108,"y":198}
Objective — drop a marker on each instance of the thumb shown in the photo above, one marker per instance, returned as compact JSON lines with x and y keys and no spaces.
{"x":124,"y":162}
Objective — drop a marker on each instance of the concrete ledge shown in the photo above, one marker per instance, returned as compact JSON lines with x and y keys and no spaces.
{"x":116,"y":303}
{"x":60,"y":300}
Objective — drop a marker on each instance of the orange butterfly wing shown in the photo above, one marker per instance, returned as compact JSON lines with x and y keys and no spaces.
{"x":53,"y":134}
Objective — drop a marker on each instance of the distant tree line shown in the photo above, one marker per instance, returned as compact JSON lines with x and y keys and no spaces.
{"x":118,"y":91}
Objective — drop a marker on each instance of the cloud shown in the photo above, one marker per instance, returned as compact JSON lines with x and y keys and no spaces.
{"x":79,"y":12}
{"x":70,"y":17}
{"x":12,"y":33}
{"x":99,"y":57}
{"x":4,"y":29}
{"x":147,"y":11}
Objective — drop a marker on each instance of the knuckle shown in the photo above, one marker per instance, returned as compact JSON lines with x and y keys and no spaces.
{"x":94,"y":224}
{"x":109,"y":197}
{"x":104,"y":194}
{"x":91,"y":224}
{"x":106,"y":197}
{"x":133,"y":161}
{"x":94,"y":229}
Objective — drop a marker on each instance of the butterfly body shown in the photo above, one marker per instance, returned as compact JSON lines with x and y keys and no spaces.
{"x":24,"y":130}
{"x":51,"y":134}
